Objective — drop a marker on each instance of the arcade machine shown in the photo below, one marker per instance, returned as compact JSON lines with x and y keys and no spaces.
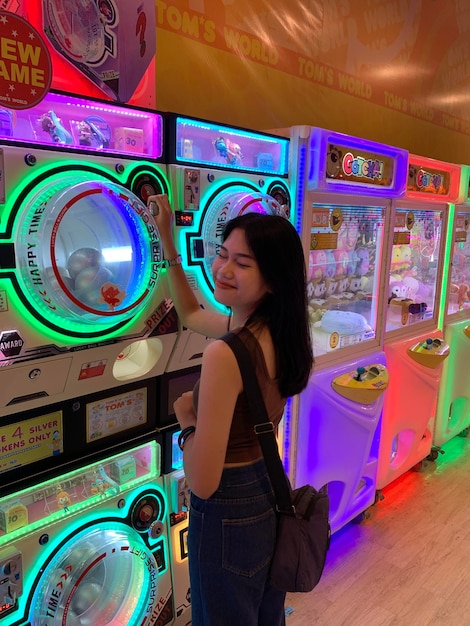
{"x":453,"y":405}
{"x":349,"y":189}
{"x":84,"y":514}
{"x":216,"y":173}
{"x":82,"y":307}
{"x":414,"y":345}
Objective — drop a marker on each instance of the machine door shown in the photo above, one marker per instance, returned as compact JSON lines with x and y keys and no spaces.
{"x":87,"y":254}
{"x":104,"y":575}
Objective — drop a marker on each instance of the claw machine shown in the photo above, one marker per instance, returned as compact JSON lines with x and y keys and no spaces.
{"x":350,"y":186}
{"x":414,"y":344}
{"x":453,"y":405}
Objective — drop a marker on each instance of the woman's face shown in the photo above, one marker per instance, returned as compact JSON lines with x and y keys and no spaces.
{"x":237,"y":278}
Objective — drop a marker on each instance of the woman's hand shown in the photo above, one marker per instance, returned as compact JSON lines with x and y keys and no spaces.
{"x":160,"y":208}
{"x":184,"y":410}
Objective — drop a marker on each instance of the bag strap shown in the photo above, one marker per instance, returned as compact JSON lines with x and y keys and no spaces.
{"x":263,"y":427}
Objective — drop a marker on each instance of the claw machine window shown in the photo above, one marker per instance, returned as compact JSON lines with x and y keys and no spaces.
{"x":453,"y":407}
{"x":348,"y":194}
{"x":414,"y":344}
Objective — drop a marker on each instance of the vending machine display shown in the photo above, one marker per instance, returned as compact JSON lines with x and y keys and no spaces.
{"x":349,"y":189}
{"x":218,"y":172}
{"x":414,"y":345}
{"x":89,"y":546}
{"x":82,"y":306}
{"x":453,"y":406}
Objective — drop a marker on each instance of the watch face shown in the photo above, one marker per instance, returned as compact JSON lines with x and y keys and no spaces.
{"x":77,"y":28}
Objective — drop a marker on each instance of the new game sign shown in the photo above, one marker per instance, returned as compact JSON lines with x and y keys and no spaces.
{"x":25,"y":64}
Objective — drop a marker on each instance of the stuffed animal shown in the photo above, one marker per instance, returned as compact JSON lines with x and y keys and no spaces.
{"x":405,"y":258}
{"x":352,"y":263}
{"x":363,"y":265}
{"x":397,"y":290}
{"x":412,"y":287}
{"x":342,"y":260}
{"x":464,"y":295}
{"x":331,"y":286}
{"x":317,"y":264}
{"x":396,"y":256}
{"x":319,"y":289}
{"x":330,"y":264}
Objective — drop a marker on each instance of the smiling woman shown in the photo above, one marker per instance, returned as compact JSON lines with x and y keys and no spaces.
{"x":233,"y":522}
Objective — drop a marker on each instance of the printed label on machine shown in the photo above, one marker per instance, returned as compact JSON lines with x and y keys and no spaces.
{"x":31,"y":440}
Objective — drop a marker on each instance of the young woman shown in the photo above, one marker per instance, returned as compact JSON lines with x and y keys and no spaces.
{"x":259,"y":275}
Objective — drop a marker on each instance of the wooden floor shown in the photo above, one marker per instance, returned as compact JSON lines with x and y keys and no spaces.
{"x":408,"y":564}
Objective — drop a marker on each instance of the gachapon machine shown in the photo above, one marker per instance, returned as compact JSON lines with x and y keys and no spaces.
{"x":414,"y":344}
{"x":349,"y":186}
{"x":81,"y":302}
{"x":84,"y":513}
{"x":453,"y":404}
{"x":216,"y":173}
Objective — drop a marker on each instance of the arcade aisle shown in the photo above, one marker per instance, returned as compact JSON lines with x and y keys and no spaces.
{"x":406,"y":564}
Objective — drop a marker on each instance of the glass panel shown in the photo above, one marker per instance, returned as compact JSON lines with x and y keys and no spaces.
{"x":78,"y":490}
{"x":82,"y":124}
{"x":459,"y":294}
{"x":414,"y":267}
{"x":221,"y":146}
{"x":343,"y":274}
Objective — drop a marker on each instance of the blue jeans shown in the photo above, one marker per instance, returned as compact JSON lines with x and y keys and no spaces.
{"x":231,"y":541}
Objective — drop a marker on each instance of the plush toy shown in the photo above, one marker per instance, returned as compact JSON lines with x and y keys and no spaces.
{"x":310,"y":289}
{"x":331,"y":286}
{"x":412,"y":287}
{"x":343,"y":285}
{"x":397,"y":290}
{"x":396,"y":256}
{"x":342,"y":260}
{"x":317,"y":264}
{"x":355,"y":284}
{"x":405,"y":258}
{"x":319,"y":289}
{"x":330,"y":264}
{"x":367,"y":284}
{"x":464,"y":295}
{"x":352,"y":263}
{"x":362,"y":266}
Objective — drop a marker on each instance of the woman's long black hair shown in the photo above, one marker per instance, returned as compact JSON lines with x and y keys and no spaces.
{"x":279,"y":254}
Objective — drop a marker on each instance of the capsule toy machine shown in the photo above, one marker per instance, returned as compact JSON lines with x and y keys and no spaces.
{"x":349,"y":188}
{"x":414,"y":344}
{"x":82,"y":307}
{"x":84,"y":513}
{"x":453,"y":404}
{"x":216,"y":173}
